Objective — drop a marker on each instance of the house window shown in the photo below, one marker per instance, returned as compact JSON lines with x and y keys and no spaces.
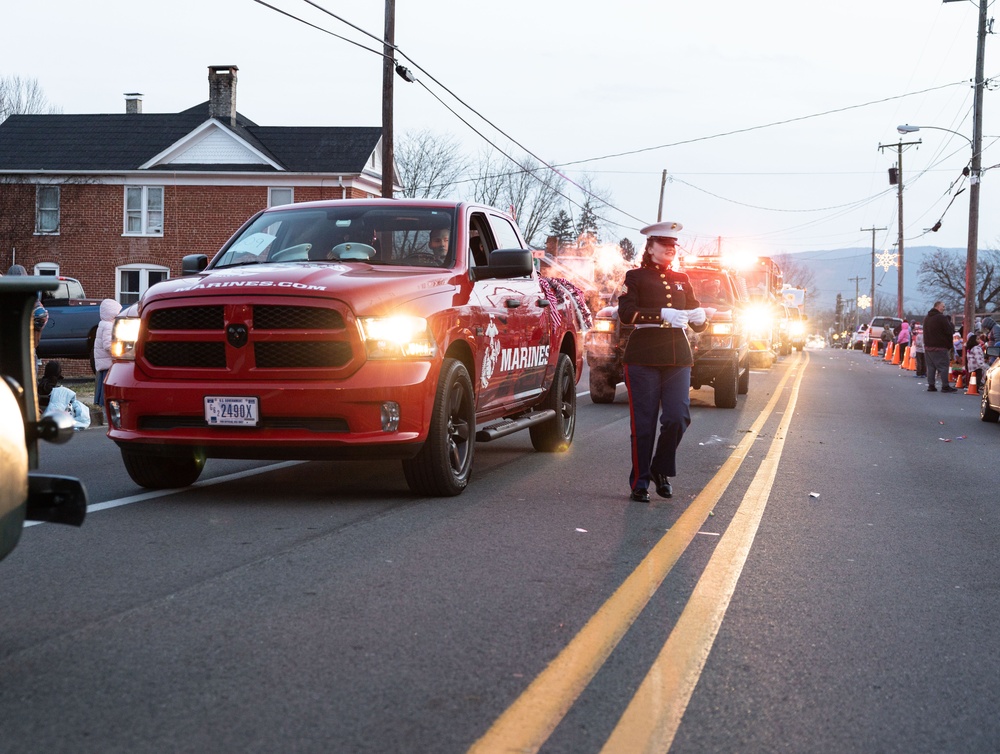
{"x":279,"y":196}
{"x":134,"y":279}
{"x":47,"y":268}
{"x":143,"y":210}
{"x":47,"y":209}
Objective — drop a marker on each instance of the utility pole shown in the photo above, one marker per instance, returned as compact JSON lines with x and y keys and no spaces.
{"x":663,"y":186}
{"x":971,"y":261}
{"x":856,"y":317}
{"x":388,"y":59}
{"x":873,"y":230}
{"x":899,"y":244}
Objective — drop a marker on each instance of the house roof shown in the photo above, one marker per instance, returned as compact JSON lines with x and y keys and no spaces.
{"x":128,"y":141}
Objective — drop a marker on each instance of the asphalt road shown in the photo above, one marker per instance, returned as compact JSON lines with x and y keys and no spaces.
{"x":824,"y":580}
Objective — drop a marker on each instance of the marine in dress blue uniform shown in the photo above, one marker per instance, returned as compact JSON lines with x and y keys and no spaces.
{"x":659,"y":302}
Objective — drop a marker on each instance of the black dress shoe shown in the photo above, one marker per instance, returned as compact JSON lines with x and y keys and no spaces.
{"x":640,"y":495}
{"x":663,"y":488}
{"x":932,"y":389}
{"x":948,"y":390}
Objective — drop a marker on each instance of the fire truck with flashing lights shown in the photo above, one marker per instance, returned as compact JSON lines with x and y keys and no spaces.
{"x":344,"y":329}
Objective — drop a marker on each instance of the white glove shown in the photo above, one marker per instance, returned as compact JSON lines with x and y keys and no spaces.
{"x":674,"y":317}
{"x":697,"y":316}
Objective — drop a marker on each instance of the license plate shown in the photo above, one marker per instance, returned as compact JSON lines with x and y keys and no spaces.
{"x":231,"y":411}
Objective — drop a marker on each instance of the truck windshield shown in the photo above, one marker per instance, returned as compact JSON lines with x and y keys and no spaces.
{"x":374,"y":235}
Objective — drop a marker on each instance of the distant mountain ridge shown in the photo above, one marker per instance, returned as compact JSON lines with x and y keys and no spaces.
{"x":833,"y":270}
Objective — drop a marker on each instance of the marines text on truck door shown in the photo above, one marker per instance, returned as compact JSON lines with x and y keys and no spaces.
{"x":332,"y":330}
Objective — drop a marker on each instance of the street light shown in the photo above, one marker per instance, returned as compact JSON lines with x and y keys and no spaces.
{"x":972,"y":248}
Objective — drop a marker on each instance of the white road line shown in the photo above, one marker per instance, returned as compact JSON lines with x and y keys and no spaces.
{"x":153,"y":494}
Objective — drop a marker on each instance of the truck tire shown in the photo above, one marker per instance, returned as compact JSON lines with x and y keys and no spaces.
{"x":156,"y":470}
{"x":556,"y":435}
{"x":602,"y":385}
{"x":726,"y":386}
{"x":443,"y":466}
{"x":986,"y":413}
{"x":744,"y":384}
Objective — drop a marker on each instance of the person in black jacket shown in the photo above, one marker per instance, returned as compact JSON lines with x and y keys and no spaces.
{"x":938,"y":332}
{"x":659,"y":302}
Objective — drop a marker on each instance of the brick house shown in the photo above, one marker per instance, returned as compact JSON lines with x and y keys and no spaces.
{"x":118,"y":200}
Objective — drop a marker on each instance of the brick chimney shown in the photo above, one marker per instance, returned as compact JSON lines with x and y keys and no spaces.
{"x":222,"y":93}
{"x":133,"y":103}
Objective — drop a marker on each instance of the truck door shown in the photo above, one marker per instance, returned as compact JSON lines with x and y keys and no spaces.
{"x":502,"y":323}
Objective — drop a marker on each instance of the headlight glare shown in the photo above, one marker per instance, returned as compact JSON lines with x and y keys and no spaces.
{"x":124,"y":336}
{"x":398,"y":337}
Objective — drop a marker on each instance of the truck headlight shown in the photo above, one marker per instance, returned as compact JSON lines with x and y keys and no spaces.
{"x":604,"y":325}
{"x":721,"y":328}
{"x":399,"y":337}
{"x":124,"y":335}
{"x":797,"y":328}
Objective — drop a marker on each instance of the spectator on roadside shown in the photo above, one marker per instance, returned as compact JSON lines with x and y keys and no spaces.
{"x":902,"y":341}
{"x":992,"y":332}
{"x":102,"y":346}
{"x":975,"y":362}
{"x":918,"y":351}
{"x":50,"y":379}
{"x":39,"y":316}
{"x":938,"y":347}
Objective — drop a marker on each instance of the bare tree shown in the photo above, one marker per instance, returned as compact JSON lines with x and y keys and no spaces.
{"x":22,"y":96}
{"x":795,"y":273}
{"x":942,"y":275}
{"x":429,"y":164}
{"x":530,"y":191}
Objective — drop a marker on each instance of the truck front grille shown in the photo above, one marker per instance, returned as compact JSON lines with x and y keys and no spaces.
{"x":304,"y":354}
{"x":248,"y":337}
{"x":189,"y":355}
{"x":188,"y":318}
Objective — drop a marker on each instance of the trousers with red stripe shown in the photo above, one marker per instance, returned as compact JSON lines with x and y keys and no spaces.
{"x":659,"y":401}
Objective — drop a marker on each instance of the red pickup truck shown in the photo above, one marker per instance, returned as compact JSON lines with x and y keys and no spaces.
{"x":347,"y":329}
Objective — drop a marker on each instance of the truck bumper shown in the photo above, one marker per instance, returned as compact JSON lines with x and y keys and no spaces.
{"x":298,"y":419}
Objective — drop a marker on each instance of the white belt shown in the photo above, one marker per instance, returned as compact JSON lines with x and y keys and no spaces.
{"x":664,"y":325}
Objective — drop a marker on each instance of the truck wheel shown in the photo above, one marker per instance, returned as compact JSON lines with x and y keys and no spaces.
{"x":986,"y":413}
{"x":602,"y":385}
{"x":156,"y":471}
{"x":744,"y":384}
{"x":443,"y":466}
{"x":726,"y":386}
{"x":556,"y":435}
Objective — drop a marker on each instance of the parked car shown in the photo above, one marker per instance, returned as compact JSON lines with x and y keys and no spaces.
{"x":989,"y":403}
{"x":876,"y":326}
{"x":858,"y":338}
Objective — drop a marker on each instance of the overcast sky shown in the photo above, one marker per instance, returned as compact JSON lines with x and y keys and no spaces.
{"x":690,"y":87}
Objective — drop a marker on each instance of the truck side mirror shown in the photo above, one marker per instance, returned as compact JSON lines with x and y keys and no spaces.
{"x":505,"y":264}
{"x":192,"y":264}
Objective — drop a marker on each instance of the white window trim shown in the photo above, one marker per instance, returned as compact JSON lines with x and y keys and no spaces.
{"x":145,"y":212}
{"x":58,"y":209}
{"x":47,"y":268}
{"x":272,"y":189}
{"x":144,"y":270}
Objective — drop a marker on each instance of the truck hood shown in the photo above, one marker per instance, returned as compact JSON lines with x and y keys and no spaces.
{"x":366,"y":288}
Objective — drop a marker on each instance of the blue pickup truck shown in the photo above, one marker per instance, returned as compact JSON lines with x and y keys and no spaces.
{"x":72,"y":325}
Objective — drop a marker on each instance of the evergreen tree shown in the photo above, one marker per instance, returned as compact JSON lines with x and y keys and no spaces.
{"x":628,"y":250}
{"x":587,"y":224}
{"x":561,"y":226}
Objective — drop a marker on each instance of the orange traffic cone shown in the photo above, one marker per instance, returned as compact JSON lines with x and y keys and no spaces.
{"x":973,"y":388}
{"x":959,"y":382}
{"x":912,"y":365}
{"x":895,"y":355}
{"x":888,"y":352}
{"x":874,"y":351}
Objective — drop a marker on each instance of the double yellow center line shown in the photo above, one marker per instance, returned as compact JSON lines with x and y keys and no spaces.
{"x":651,"y":719}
